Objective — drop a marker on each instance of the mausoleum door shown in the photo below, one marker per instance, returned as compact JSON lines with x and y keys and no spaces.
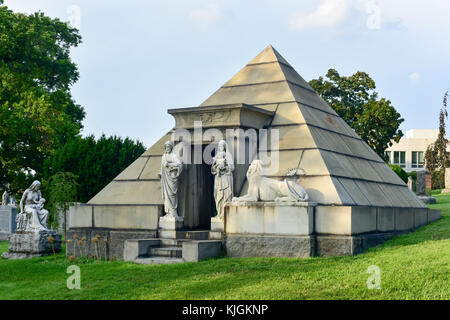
{"x":196,"y":196}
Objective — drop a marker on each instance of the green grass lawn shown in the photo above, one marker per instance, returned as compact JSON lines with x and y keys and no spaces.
{"x":413,"y":266}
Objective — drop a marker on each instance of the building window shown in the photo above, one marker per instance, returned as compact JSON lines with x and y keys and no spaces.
{"x":400,"y":158}
{"x":388,"y":156}
{"x":417,"y":159}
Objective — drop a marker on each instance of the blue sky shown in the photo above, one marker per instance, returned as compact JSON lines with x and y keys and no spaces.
{"x":139,"y":58}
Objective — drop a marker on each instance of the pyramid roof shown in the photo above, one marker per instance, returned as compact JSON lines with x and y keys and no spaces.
{"x":337,"y":166}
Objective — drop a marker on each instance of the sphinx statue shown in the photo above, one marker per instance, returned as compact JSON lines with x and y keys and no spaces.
{"x":262,"y":188}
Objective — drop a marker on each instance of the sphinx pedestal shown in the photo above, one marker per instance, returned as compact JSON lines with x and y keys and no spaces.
{"x":32,"y":244}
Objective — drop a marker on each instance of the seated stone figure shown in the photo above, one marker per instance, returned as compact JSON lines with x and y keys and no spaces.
{"x":261,"y":188}
{"x":32,"y":205}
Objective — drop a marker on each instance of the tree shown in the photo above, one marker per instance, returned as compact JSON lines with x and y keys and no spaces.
{"x":37,"y":112}
{"x":354,"y":99}
{"x":436,"y":158}
{"x":400,"y":172}
{"x":94,"y":162}
{"x":62,"y":192}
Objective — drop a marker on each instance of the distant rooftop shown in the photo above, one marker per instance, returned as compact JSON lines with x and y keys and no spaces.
{"x":422,"y":134}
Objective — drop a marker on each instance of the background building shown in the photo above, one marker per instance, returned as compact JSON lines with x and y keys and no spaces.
{"x":409,"y":152}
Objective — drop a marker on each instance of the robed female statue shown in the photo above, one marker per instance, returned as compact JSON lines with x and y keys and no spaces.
{"x":171,"y":167}
{"x":222,"y":168}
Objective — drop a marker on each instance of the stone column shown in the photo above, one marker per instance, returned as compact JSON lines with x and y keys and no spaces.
{"x":411,"y":183}
{"x":447,"y":181}
{"x":421,"y":188}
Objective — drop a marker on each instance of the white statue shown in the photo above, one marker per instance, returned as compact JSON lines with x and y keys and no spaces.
{"x":171,"y":167}
{"x":5,"y":198}
{"x":262,"y":188}
{"x":32,"y":217}
{"x":222,"y":168}
{"x":12,"y":202}
{"x":8,"y":200}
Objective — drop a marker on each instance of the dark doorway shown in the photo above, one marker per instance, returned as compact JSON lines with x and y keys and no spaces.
{"x":196,"y":196}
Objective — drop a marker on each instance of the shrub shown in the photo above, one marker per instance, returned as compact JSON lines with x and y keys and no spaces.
{"x":400,"y":172}
{"x":413,"y":175}
{"x":438,"y":179}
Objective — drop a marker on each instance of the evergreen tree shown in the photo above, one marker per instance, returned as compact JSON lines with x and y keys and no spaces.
{"x":94,"y":162}
{"x":436,"y":158}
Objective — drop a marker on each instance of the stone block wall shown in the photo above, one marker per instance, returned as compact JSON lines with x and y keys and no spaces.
{"x":316,"y":230}
{"x":110,"y":242}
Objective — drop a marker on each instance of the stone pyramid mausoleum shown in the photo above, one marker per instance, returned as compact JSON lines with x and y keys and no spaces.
{"x":355,"y":199}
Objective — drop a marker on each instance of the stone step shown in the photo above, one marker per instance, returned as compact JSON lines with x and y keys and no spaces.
{"x":172,"y":242}
{"x":158,"y":260}
{"x":184,"y":234}
{"x":172,"y":252}
{"x":197,"y":235}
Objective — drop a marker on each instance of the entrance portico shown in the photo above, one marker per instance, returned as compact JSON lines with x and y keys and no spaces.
{"x":196,"y":134}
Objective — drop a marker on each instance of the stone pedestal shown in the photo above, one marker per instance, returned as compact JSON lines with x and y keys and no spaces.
{"x":29,"y":245}
{"x":168,"y":226}
{"x":411,"y":183}
{"x":447,"y":181}
{"x":217,"y":229}
{"x":263,"y":229}
{"x":7,"y":222}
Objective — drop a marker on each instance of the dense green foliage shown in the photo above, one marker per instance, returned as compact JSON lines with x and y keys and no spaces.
{"x":413,"y":175}
{"x":438,"y":179}
{"x":436,"y":158}
{"x":354,"y":98}
{"x":399,"y":171}
{"x":413,"y":266}
{"x":62,"y":191}
{"x":94,"y":162}
{"x":37,"y":112}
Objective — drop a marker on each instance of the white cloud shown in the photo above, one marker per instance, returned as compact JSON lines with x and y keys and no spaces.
{"x":205,"y":16}
{"x":328,"y":14}
{"x":333,"y":13}
{"x":414,"y":77}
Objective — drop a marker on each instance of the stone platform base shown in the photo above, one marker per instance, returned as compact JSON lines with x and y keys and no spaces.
{"x":29,"y":245}
{"x":327,"y":246}
{"x":19,"y":256}
{"x":301,"y":246}
{"x":241,"y":245}
{"x":110,"y":243}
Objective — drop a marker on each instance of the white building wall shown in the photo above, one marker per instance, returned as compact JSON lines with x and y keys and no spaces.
{"x":416,"y":140}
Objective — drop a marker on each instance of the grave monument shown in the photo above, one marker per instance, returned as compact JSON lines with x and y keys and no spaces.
{"x":32,"y":238}
{"x":8,"y":212}
{"x":306,"y":185}
{"x":421,"y":189}
{"x":447,"y":181}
